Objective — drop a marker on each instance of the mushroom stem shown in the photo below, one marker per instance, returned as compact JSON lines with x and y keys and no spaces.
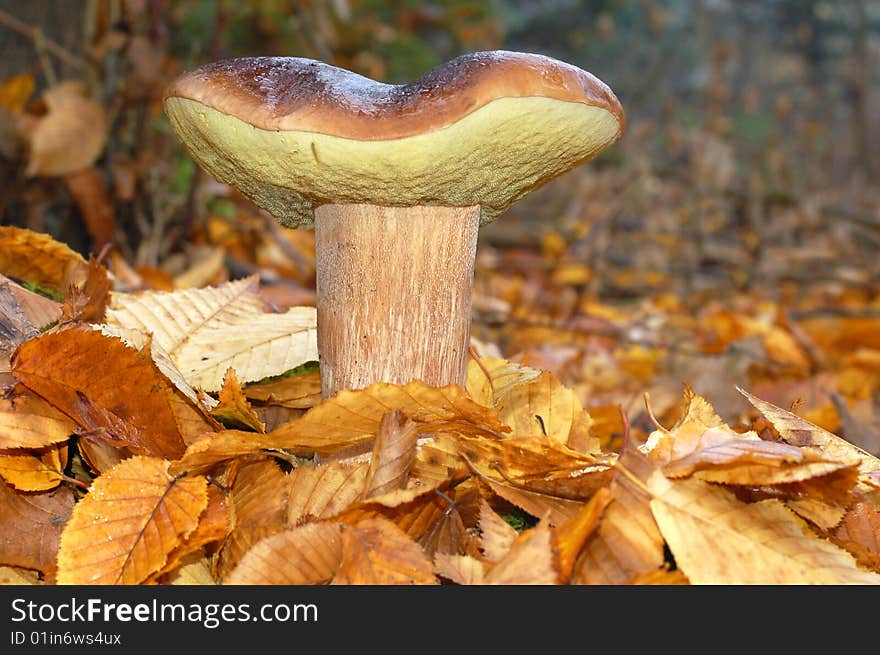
{"x":394,"y":293}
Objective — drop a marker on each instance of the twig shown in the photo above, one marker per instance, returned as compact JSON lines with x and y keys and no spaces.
{"x":36,"y":35}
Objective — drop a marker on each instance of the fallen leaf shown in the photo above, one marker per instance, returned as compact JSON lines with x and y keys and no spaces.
{"x":16,"y":90}
{"x":796,"y":431}
{"x":207,"y":331}
{"x":569,"y":538}
{"x":377,"y":552}
{"x":537,"y":464}
{"x":30,"y":527}
{"x":33,"y":472}
{"x":28,"y":421}
{"x":530,"y":560}
{"x":133,"y":516}
{"x":859,"y":533}
{"x":35,"y":257}
{"x":258,"y":508}
{"x":71,"y":136}
{"x":496,"y":534}
{"x":309,"y":554}
{"x":104,"y":385}
{"x":627,"y":543}
{"x":556,"y":510}
{"x":234,"y":410}
{"x":717,"y":539}
{"x":318,"y":492}
{"x":393,"y":455}
{"x":460,"y":569}
{"x":195,"y":570}
{"x":86,"y":292}
{"x":13,"y":575}
{"x":295,"y":391}
{"x":352,"y":417}
{"x":39,"y":310}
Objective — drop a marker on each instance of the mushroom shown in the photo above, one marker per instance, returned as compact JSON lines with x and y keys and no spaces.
{"x":396,"y":181}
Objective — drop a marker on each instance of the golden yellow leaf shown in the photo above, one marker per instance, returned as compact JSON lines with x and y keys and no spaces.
{"x":393,"y":455}
{"x":460,"y":569}
{"x":627,"y":542}
{"x":437,"y":460}
{"x":488,"y":379}
{"x":530,"y":560}
{"x":799,"y":432}
{"x":216,"y":328}
{"x":660,"y":577}
{"x":556,"y":510}
{"x":716,"y":539}
{"x":233,"y":409}
{"x":325,"y":490}
{"x":214,"y":525}
{"x":35,"y":257}
{"x":826,"y":515}
{"x":698,"y":427}
{"x":195,"y":570}
{"x":28,"y":421}
{"x":15,"y":91}
{"x":541,"y":406}
{"x":295,"y":391}
{"x":496,"y":534}
{"x":133,"y":516}
{"x":33,"y":472}
{"x":569,"y":537}
{"x":352,"y":417}
{"x":753,"y":462}
{"x":377,"y":552}
{"x":309,"y":554}
{"x":538,"y":464}
{"x":71,"y":136}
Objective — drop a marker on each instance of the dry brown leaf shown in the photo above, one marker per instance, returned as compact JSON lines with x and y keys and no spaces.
{"x":86,"y":292}
{"x":309,"y":554}
{"x":322,"y":491}
{"x":716,"y":539}
{"x":448,"y":535}
{"x":530,"y":560}
{"x":377,"y":552}
{"x":233,"y":409}
{"x":460,"y":569}
{"x":295,"y":391}
{"x":538,"y":464}
{"x":488,"y":378}
{"x":699,"y":427}
{"x":352,"y":418}
{"x":438,"y":460}
{"x":542,"y":406}
{"x":259,"y":509}
{"x":496,"y":534}
{"x":798,"y":432}
{"x":393,"y":453}
{"x":30,"y":527}
{"x":108,"y":387}
{"x":122,"y":531}
{"x":35,"y":257}
{"x":15,"y":326}
{"x":71,"y":136}
{"x":206,"y":331}
{"x":628,"y":542}
{"x":28,"y":421}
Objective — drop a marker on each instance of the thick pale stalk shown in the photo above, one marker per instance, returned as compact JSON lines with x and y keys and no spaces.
{"x":394,"y":294}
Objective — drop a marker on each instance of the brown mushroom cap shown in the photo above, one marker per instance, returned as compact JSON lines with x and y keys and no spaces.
{"x":483,"y":129}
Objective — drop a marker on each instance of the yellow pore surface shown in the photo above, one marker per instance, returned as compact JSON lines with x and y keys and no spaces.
{"x":491,"y":157}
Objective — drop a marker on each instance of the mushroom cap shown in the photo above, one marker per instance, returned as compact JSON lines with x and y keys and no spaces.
{"x":482,"y":129}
